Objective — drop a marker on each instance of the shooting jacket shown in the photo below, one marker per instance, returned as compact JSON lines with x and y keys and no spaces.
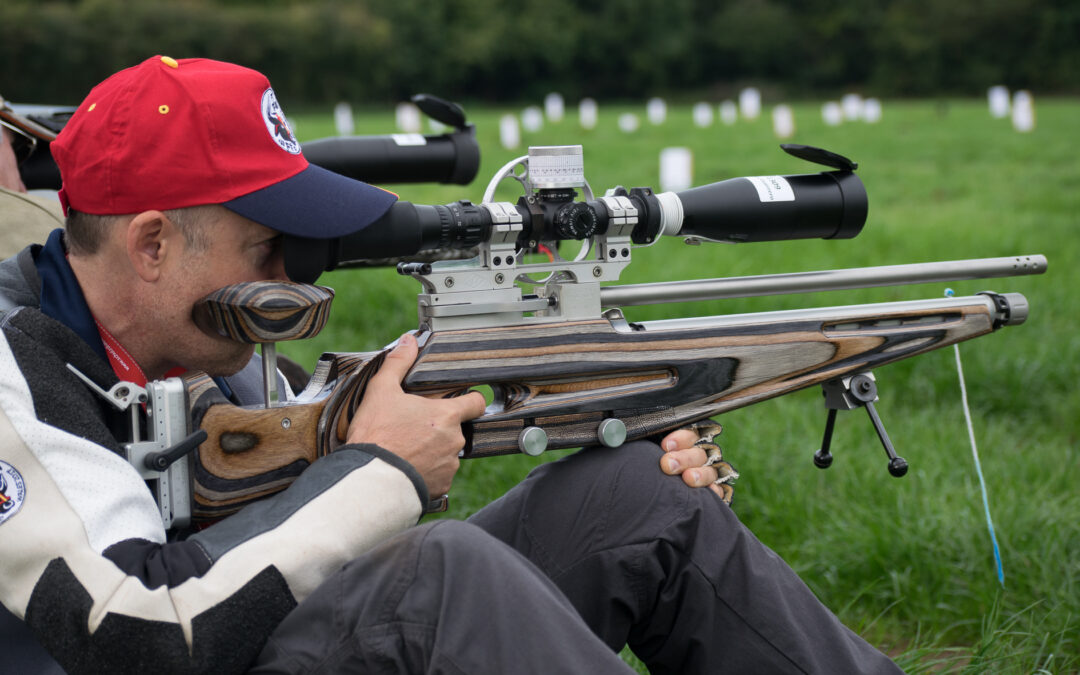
{"x":86,"y":562}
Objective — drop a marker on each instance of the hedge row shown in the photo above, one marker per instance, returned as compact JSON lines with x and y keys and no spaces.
{"x":383,"y":50}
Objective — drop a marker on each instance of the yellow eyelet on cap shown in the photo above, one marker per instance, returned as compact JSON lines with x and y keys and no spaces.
{"x":170,"y":61}
{"x":163,"y":109}
{"x":92,"y":106}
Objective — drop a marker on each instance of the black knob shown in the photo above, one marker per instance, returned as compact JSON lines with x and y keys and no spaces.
{"x":863,"y":388}
{"x":576,"y":220}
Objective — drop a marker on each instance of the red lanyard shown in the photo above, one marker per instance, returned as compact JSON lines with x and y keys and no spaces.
{"x":122,"y":364}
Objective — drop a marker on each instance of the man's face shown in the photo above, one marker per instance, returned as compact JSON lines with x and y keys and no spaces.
{"x":239,"y":250}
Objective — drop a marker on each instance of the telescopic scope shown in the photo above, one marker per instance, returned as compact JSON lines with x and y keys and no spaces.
{"x":826,"y":205}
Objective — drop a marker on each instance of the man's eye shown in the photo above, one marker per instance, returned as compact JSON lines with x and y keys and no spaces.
{"x":268,"y":251}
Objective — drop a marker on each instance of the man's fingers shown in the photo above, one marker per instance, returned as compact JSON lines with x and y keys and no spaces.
{"x":702,"y":476}
{"x":399,"y":360}
{"x":472,"y":405}
{"x":678,"y":461}
{"x":679,"y":439}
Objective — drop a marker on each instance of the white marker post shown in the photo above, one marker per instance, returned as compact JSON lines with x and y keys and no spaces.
{"x":656,"y":110}
{"x":509,"y":133}
{"x":554,"y":107}
{"x":587,"y":113}
{"x":343,"y":119}
{"x":532,"y":120}
{"x":832,"y":114}
{"x":871,"y":111}
{"x":729,"y":113}
{"x":703,"y":115}
{"x":750,"y":103}
{"x":407,"y":118}
{"x":676,"y":169}
{"x":783,"y":121}
{"x":998,"y":99}
{"x":628,"y":122}
{"x":1023,"y":111}
{"x":852,"y":106}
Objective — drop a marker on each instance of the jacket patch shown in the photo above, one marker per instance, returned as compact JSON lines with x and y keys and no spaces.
{"x":12,"y":491}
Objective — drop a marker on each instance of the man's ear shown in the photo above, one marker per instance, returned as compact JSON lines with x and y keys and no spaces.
{"x":151,"y":238}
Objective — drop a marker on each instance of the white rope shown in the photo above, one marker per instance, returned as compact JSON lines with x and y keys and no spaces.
{"x":978,"y":465}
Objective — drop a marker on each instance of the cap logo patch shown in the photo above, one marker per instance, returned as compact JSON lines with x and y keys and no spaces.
{"x":12,"y":491}
{"x":276,"y":124}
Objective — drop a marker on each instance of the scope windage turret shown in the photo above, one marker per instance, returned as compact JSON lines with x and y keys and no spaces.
{"x":827,"y":205}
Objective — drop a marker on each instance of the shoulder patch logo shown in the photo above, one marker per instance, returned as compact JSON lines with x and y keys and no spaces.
{"x":279,"y":129}
{"x":12,"y":491}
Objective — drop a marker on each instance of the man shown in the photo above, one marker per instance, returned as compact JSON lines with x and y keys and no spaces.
{"x":179,"y":178}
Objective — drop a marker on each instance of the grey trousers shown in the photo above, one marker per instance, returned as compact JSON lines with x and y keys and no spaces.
{"x":603,"y":550}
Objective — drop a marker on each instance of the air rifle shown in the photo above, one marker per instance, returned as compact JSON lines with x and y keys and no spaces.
{"x":565,"y":367}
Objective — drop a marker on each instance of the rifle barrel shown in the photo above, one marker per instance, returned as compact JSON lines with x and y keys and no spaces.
{"x":826,"y":280}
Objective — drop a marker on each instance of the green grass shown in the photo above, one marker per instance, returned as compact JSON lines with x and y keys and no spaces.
{"x":908,"y":562}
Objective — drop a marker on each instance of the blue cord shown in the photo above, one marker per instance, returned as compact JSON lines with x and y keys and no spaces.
{"x":978,"y":466}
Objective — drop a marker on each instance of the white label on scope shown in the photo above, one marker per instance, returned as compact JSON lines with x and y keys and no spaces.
{"x":410,"y":139}
{"x":772,"y":188}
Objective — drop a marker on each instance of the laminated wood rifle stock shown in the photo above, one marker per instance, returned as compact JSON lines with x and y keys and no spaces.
{"x":567,"y":378}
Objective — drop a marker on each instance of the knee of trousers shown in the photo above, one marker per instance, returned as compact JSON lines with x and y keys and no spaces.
{"x":615,"y":495}
{"x":452,"y":546}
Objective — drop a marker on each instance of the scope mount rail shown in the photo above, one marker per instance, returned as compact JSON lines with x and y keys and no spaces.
{"x":456,"y":296}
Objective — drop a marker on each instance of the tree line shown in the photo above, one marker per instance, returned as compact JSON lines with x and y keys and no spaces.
{"x":381,"y":51}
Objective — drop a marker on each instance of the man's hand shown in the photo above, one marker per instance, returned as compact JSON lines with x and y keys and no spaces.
{"x":691,"y":453}
{"x":424,"y":432}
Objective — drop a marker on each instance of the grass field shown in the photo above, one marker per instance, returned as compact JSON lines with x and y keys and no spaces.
{"x":906,"y":562}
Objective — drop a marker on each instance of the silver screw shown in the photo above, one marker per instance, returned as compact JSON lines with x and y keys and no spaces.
{"x":499,"y":278}
{"x":449,"y":281}
{"x":532,"y":441}
{"x":612,"y":432}
{"x":597,"y":272}
{"x":286,"y":422}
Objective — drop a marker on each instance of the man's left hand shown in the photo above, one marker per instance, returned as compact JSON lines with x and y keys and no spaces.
{"x":687,"y":452}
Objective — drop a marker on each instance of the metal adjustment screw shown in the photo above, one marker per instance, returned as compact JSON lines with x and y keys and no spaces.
{"x":286,"y":423}
{"x":499,"y":278}
{"x":449,"y":282}
{"x":596,"y":271}
{"x":532,"y":441}
{"x":612,"y":432}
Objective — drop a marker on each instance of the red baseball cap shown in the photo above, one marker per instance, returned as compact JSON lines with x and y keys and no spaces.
{"x":168,"y":134}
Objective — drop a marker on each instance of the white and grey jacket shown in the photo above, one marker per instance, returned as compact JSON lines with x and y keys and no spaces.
{"x":86,"y":562}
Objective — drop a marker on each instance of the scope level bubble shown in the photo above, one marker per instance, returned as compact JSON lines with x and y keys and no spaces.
{"x":556,"y":166}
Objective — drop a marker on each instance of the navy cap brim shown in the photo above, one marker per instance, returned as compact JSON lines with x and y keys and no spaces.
{"x":315,"y":203}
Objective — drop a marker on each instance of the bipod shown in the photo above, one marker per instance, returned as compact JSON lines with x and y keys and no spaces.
{"x":848,"y":393}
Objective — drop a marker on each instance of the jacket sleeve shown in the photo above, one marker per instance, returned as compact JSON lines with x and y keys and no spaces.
{"x":87,"y":567}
